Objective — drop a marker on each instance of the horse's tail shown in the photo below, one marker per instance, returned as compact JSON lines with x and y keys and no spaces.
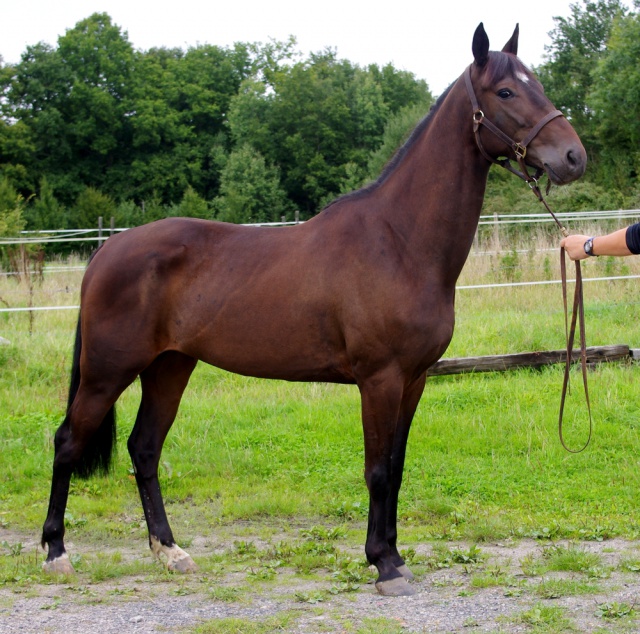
{"x":98,"y":453}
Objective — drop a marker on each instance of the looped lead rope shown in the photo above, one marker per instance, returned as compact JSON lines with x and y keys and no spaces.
{"x":577,"y":314}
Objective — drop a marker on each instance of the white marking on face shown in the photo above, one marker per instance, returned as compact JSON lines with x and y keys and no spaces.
{"x":522,"y":77}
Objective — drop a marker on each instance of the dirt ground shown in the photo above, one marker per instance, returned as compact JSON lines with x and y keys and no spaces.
{"x":448,"y":599}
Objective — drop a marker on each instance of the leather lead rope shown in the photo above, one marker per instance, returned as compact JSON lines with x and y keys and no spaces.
{"x":577,"y":315}
{"x":520,"y":151}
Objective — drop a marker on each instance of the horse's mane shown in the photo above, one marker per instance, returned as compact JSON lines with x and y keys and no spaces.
{"x":399,"y":155}
{"x":500,"y":64}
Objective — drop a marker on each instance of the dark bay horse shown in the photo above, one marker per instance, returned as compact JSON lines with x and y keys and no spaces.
{"x":367,"y":287}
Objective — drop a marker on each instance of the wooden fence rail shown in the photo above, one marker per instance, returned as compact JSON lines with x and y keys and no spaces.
{"x":502,"y":362}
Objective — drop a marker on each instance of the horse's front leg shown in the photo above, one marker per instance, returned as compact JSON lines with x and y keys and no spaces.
{"x":381,"y":406}
{"x":408,"y":406}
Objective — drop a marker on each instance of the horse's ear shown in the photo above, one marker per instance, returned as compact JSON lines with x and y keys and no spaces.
{"x":512,"y":45}
{"x":480,"y":46}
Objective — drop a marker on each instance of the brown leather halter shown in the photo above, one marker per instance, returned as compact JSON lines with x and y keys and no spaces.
{"x":519,"y":148}
{"x":520,"y":151}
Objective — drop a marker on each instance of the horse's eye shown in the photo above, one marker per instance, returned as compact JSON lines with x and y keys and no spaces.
{"x":505,"y":93}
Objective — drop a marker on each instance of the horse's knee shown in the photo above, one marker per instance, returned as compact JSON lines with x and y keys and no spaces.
{"x":62,"y":435}
{"x":378,"y":479}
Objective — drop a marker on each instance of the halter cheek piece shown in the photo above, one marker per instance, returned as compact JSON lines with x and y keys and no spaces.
{"x":519,"y":148}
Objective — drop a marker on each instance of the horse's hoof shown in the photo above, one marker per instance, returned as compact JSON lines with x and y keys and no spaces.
{"x":58,"y":566}
{"x":183,"y":565}
{"x":406,"y":573}
{"x":398,"y":587}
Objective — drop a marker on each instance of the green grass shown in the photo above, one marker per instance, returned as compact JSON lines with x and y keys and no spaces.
{"x":483,"y":462}
{"x":544,"y":619}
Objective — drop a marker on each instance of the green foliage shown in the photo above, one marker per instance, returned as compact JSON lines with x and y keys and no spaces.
{"x":90,"y":205}
{"x":396,"y":131}
{"x":250,"y":190}
{"x":11,"y":209}
{"x":615,"y":610}
{"x":45,"y":212}
{"x":251,"y":132}
{"x":615,"y":100}
{"x":191,"y":205}
{"x":545,"y":619}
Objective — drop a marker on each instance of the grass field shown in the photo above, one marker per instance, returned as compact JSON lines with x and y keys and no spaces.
{"x":484,"y":460}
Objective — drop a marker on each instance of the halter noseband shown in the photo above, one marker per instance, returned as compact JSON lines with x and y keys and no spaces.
{"x":519,"y":148}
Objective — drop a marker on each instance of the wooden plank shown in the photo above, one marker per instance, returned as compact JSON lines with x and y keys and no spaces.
{"x":502,"y":362}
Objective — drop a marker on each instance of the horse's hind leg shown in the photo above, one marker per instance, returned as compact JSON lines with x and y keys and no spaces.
{"x":163,"y":383}
{"x":91,"y":409}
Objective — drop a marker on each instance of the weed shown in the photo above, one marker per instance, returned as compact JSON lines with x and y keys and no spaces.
{"x":547,"y":619}
{"x":491,"y":577}
{"x":556,"y":588}
{"x":278,"y":623}
{"x":598,"y":533}
{"x":570,"y":559}
{"x":532,"y":566}
{"x":226,"y":594}
{"x":321,"y":533}
{"x":310,"y":597}
{"x":471,"y":556}
{"x":630,"y":564}
{"x":14,"y":549}
{"x":614,"y":610}
{"x":381,"y":625}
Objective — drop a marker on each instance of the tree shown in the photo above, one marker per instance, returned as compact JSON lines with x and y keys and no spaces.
{"x":615,"y":101}
{"x":396,"y":131}
{"x":250,"y":190}
{"x":578,"y":43}
{"x":45,"y":211}
{"x":318,"y":120}
{"x":11,"y":209}
{"x":91,"y":204}
{"x":191,"y":205}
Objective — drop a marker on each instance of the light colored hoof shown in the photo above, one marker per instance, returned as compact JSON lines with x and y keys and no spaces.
{"x":58,"y":566}
{"x":184,"y":565}
{"x":398,"y":587}
{"x":406,"y":573}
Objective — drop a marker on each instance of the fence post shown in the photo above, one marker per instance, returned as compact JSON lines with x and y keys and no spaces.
{"x":99,"y":231}
{"x":496,"y":233}
{"x":112,"y":226}
{"x":297,"y":216}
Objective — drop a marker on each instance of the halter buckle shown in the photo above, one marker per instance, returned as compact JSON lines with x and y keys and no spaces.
{"x":520,"y":150}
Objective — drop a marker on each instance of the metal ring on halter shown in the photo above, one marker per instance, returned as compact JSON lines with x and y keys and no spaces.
{"x":520,"y":150}
{"x":478,"y":116}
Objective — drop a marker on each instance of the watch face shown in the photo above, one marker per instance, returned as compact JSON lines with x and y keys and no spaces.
{"x":588,"y":246}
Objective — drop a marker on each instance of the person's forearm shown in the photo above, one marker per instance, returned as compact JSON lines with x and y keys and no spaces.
{"x":612,"y":244}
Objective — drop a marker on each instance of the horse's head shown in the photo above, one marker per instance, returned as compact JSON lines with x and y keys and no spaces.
{"x":511,"y":101}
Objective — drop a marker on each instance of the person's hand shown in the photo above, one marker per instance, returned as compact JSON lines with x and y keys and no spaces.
{"x":574,"y":246}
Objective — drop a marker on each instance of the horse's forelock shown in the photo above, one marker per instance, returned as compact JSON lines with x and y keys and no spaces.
{"x":504,"y":64}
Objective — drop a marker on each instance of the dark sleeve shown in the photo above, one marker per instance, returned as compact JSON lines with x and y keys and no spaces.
{"x":633,"y":238}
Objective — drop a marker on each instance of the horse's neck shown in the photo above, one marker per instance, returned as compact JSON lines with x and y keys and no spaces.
{"x":438,"y":188}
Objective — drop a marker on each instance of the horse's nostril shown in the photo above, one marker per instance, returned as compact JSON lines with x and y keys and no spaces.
{"x":571,"y":158}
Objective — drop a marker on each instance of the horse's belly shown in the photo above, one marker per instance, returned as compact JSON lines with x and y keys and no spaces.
{"x":275,"y":353}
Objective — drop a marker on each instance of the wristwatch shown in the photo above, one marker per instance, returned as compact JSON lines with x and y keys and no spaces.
{"x":588,"y":247}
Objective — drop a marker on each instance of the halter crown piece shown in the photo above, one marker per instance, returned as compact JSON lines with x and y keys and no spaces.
{"x":520,"y":150}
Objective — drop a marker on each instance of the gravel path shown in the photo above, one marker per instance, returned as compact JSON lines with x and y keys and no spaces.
{"x":448,"y":599}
